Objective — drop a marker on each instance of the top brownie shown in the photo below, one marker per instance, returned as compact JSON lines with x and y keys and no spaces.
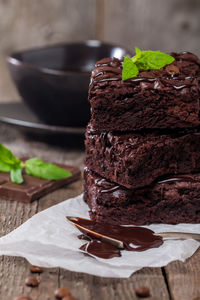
{"x":165,"y":98}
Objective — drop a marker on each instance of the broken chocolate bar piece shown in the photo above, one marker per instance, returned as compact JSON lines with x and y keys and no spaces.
{"x":33,"y":188}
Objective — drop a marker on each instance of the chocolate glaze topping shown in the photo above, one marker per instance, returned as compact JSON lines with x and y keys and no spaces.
{"x":182,"y":73}
{"x":133,"y":238}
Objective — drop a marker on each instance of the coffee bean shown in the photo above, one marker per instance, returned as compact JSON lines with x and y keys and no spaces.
{"x":61,"y":293}
{"x":36,"y":269}
{"x":22,"y":298}
{"x":31,"y":281}
{"x":142,"y":292}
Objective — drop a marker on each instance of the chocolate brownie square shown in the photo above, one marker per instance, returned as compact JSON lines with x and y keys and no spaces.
{"x":166,"y":98}
{"x":134,"y":160}
{"x":173,"y":200}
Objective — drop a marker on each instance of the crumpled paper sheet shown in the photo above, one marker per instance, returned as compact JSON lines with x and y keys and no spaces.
{"x":48,"y":240}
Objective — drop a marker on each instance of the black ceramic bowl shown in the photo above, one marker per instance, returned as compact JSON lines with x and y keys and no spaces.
{"x":54,"y":81}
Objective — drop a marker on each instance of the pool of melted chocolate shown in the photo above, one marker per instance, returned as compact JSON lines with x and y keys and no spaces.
{"x":133,"y":238}
{"x":101,"y":249}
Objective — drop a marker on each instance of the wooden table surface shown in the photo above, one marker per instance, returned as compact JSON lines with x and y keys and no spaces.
{"x":178,"y":281}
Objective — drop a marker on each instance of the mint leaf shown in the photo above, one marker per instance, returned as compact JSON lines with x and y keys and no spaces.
{"x":129,"y":69}
{"x":153,"y":60}
{"x":10,"y":163}
{"x":35,"y":167}
{"x":16,"y":175}
{"x":7,"y":158}
{"x":138,"y":54}
{"x":4,"y":167}
{"x":144,"y":60}
{"x":45,"y":170}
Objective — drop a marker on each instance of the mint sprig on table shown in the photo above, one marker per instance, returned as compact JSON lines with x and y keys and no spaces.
{"x":34,"y":166}
{"x":144,"y":60}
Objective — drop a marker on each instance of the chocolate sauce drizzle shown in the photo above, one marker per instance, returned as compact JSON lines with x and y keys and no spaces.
{"x":134,"y":238}
{"x":101,"y":249}
{"x":186,"y":64}
{"x":180,"y":177}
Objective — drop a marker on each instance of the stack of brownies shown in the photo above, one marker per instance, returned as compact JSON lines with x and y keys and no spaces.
{"x":143,"y":144}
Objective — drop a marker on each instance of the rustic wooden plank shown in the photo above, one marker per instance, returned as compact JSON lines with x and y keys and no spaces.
{"x":184,"y":278}
{"x":13,"y":214}
{"x":87,"y":287}
{"x":13,"y":270}
{"x":164,"y":25}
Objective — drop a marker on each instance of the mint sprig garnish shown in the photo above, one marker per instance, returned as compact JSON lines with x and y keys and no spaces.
{"x":144,"y":60}
{"x":7,"y":158}
{"x":16,"y":175}
{"x":10,"y":163}
{"x":130,"y":69}
{"x":34,"y":166}
{"x":138,"y":54}
{"x":39,"y":168}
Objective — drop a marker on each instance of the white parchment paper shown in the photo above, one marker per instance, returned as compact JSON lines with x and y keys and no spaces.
{"x":48,"y":240}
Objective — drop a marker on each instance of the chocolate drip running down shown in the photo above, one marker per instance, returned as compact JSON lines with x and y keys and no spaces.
{"x":133,"y":238}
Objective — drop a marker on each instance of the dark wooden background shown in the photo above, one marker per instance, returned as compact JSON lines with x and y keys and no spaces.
{"x":149,"y":24}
